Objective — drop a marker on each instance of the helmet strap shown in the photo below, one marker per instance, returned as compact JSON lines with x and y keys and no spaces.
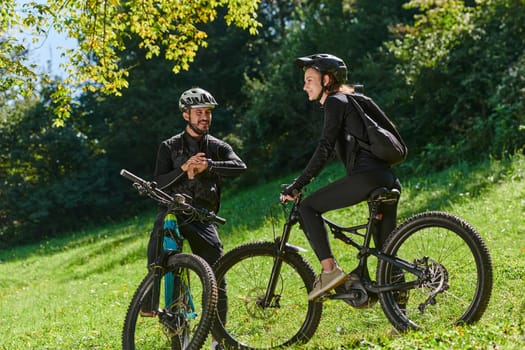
{"x":323,"y":88}
{"x":326,"y":88}
{"x":191,"y":126}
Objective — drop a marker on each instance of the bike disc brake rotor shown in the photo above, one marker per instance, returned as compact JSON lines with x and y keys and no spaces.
{"x":435,"y":282}
{"x":174,"y":320}
{"x":253,"y":304}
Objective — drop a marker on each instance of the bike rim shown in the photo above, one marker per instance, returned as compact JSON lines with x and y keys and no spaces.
{"x":251,"y":326}
{"x":453,"y":292}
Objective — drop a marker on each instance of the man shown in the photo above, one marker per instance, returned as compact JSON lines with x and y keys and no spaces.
{"x":193,"y":162}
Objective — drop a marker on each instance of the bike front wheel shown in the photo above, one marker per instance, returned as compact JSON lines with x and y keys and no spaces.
{"x":287,"y":318}
{"x":456,"y":284}
{"x":187,"y":302}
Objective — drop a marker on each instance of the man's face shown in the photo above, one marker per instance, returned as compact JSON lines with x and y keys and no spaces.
{"x":199,"y":118}
{"x":312,"y":83}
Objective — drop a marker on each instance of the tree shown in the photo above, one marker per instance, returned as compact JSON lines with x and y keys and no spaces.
{"x":53,"y":179}
{"x":462,"y":62}
{"x":168,"y":28}
{"x":58,"y":179}
{"x":279,"y":116}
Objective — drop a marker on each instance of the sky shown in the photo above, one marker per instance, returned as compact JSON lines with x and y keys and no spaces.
{"x":47,"y":53}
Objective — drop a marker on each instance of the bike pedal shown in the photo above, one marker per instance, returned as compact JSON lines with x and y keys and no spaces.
{"x":147,"y":314}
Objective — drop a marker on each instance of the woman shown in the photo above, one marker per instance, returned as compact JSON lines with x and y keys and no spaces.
{"x":324,"y":78}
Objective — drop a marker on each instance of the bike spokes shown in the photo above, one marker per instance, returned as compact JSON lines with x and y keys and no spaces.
{"x":183,"y":324}
{"x":457,"y":277}
{"x":253,"y":321}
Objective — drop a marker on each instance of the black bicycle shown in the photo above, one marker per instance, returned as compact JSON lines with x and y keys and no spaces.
{"x":174,"y":305}
{"x":433,"y":269}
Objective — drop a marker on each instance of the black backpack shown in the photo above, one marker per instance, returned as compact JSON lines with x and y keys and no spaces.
{"x":384,"y":141}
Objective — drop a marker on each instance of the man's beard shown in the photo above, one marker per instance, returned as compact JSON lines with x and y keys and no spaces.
{"x":196,"y":129}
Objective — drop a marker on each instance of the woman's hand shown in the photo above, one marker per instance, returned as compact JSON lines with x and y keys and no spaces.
{"x":286,"y":197}
{"x":289,"y":193}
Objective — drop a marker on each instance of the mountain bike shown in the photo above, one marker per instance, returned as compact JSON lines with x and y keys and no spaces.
{"x":179,"y":293}
{"x":433,"y":269}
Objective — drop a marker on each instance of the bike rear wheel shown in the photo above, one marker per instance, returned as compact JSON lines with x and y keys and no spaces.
{"x":458,"y":281}
{"x":186,"y":311}
{"x":290,"y":319}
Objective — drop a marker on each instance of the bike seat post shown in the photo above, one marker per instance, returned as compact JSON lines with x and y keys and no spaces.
{"x":375,"y":200}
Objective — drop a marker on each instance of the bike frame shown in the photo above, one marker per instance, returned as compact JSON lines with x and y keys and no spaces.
{"x":157,"y":269}
{"x":174,"y":204}
{"x":364,"y":249}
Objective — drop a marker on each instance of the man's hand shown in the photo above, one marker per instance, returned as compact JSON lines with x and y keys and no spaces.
{"x":195,"y":165}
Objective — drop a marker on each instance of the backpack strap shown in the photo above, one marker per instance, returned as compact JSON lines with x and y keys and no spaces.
{"x":360,"y":142}
{"x":366,"y":121}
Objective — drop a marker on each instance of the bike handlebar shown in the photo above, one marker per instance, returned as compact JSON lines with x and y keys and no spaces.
{"x":178,"y":202}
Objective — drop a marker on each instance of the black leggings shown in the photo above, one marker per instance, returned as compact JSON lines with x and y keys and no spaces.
{"x":342,"y":193}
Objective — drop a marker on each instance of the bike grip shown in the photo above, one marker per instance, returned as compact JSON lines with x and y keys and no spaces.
{"x":294,"y":192}
{"x":219,"y":219}
{"x":130,"y":176}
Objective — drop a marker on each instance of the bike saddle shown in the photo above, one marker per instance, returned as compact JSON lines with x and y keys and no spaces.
{"x":384,"y":194}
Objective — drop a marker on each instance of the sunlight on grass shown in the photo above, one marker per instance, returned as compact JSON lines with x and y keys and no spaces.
{"x":72,"y":293}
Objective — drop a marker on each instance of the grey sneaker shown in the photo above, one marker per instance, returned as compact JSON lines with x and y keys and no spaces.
{"x":327,"y":281}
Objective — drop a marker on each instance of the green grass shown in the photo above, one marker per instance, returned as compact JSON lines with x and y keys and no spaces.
{"x":72,"y":293}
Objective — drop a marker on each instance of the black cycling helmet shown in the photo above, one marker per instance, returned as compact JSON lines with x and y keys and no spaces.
{"x":195,"y":98}
{"x":325,"y":63}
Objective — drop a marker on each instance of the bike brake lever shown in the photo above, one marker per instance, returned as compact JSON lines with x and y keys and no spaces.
{"x":216,"y":218}
{"x":140,"y":188}
{"x":179,"y":198}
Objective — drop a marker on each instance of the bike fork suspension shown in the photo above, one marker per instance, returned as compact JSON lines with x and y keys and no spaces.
{"x":269,"y":298}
